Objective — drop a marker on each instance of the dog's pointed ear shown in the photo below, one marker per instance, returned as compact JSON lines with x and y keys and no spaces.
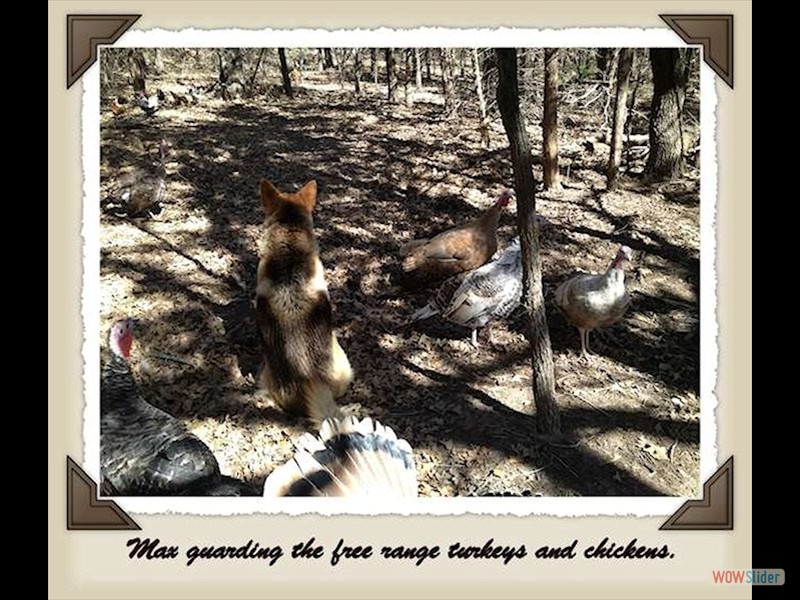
{"x":269,"y":196}
{"x":307,"y":195}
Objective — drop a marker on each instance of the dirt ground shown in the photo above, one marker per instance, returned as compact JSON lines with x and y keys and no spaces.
{"x":388,"y":174}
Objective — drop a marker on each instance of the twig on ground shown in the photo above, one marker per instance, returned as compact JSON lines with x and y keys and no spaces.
{"x":171,"y":358}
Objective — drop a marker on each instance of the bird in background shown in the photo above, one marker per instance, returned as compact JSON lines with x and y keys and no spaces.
{"x":148,"y":104}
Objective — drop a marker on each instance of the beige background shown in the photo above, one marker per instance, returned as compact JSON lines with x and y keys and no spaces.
{"x":95,"y":564}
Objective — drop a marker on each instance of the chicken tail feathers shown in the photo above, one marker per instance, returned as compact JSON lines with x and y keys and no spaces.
{"x":347,"y":458}
{"x":426,"y":312}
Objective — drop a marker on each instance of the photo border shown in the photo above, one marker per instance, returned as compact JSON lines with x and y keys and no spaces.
{"x":584,"y":37}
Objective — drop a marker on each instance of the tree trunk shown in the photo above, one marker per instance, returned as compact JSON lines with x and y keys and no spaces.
{"x":158,"y":61}
{"x":418,"y":68}
{"x":255,"y":71}
{"x":428,"y":65}
{"x":328,"y":60}
{"x":483,"y":126}
{"x":636,"y":76}
{"x":138,"y":70}
{"x":357,"y":70}
{"x":321,"y":59}
{"x":666,"y":123}
{"x":448,"y":82}
{"x":287,"y":81}
{"x":624,"y":64}
{"x":231,"y":76}
{"x":548,"y":419}
{"x":373,"y":57}
{"x":407,"y":94}
{"x":604,"y":62}
{"x":550,"y":123}
{"x":391,"y":76}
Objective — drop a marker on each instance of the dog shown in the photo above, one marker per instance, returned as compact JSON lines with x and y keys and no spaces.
{"x":304,"y":368}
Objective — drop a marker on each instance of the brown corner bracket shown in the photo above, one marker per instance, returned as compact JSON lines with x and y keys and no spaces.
{"x":713,"y":511}
{"x":714,"y":33}
{"x":85,"y":33}
{"x":85,"y":511}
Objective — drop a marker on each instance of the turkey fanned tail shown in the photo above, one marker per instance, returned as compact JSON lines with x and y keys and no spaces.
{"x":348,"y":458}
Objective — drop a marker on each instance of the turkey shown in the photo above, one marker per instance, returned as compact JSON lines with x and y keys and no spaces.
{"x":143,"y":450}
{"x":348,"y":458}
{"x":456,"y":250}
{"x":474,"y":299}
{"x":139,"y":190}
{"x":595,"y":300}
{"x":149,"y":104}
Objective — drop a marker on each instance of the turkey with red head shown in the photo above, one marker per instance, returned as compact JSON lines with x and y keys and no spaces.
{"x":145,"y":451}
{"x":595,"y":300}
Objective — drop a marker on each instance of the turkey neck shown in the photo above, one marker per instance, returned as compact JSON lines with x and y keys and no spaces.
{"x":492,"y":216}
{"x":616,"y":272}
{"x":117,"y":381}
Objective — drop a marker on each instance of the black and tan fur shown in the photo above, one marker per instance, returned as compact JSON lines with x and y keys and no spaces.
{"x":305,"y":368}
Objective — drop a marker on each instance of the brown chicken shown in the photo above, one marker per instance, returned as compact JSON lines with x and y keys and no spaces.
{"x":456,"y":250}
{"x":116,"y":107}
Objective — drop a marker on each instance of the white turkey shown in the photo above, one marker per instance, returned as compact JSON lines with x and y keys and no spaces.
{"x":143,"y":450}
{"x":595,"y":300}
{"x":141,"y":190}
{"x":148,"y":104}
{"x":348,"y":458}
{"x":475,"y":298}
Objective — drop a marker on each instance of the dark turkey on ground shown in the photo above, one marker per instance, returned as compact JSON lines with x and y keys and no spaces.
{"x":140,"y":191}
{"x":475,"y":298}
{"x":145,"y":451}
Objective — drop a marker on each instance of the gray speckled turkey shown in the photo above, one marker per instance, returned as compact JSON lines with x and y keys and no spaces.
{"x":143,"y":450}
{"x":475,"y":298}
{"x":595,"y":300}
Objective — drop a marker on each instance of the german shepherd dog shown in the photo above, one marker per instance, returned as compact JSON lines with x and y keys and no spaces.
{"x":305,"y":368}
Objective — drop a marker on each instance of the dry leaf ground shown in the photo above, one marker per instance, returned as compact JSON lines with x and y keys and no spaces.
{"x":387,"y":174}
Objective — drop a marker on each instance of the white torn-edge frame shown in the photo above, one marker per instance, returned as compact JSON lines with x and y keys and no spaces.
{"x":420,"y":37}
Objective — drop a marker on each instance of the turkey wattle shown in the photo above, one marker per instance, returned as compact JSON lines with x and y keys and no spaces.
{"x":595,"y":300}
{"x":474,"y":299}
{"x":143,"y":450}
